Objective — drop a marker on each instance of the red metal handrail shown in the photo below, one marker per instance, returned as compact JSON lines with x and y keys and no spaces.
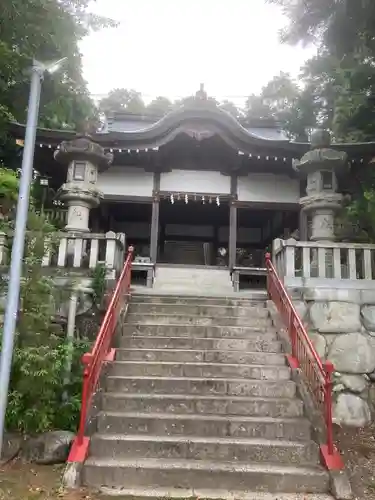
{"x":317,"y":375}
{"x":101,"y":353}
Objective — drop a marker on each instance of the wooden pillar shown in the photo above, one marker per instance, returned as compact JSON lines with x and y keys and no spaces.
{"x":154,"y":231}
{"x":215,"y":244}
{"x":232,"y":234}
{"x":233,"y":223}
{"x":155,"y":219}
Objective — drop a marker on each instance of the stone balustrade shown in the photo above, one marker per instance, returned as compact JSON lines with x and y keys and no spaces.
{"x":298,"y":261}
{"x":78,"y":251}
{"x":60,"y":215}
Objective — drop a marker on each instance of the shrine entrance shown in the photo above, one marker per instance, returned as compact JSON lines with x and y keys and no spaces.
{"x":191,"y":231}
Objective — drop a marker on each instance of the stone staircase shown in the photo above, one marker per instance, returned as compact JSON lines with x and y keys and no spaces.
{"x":184,"y":252}
{"x":200,"y":402}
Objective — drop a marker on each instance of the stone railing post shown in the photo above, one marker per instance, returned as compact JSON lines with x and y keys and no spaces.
{"x":290,"y":258}
{"x":120,"y":252}
{"x":110,"y":250}
{"x":278,"y":256}
{"x":3,"y":249}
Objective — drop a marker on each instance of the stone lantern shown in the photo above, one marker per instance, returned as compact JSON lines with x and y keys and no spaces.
{"x":321,"y":166}
{"x":85,"y":159}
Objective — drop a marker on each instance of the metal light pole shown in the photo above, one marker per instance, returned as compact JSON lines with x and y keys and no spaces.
{"x":15,"y":274}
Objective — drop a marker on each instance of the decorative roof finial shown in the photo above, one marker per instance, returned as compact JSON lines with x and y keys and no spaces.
{"x":320,"y":139}
{"x":201,"y":94}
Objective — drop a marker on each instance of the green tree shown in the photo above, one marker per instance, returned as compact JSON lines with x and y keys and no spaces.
{"x":159,"y":106}
{"x":37,"y":382}
{"x":45,"y":31}
{"x":283,"y":100}
{"x":341,"y":79}
{"x":344,"y":26}
{"x":231,"y":108}
{"x":126,"y":100}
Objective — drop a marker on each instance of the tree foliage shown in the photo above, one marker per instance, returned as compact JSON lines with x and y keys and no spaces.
{"x":341,"y":81}
{"x":342,"y":75}
{"x":45,"y":31}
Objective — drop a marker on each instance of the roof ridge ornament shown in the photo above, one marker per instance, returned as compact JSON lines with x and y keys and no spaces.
{"x":201,"y":94}
{"x":200,"y":100}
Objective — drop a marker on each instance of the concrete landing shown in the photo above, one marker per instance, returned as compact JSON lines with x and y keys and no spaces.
{"x":177,"y":280}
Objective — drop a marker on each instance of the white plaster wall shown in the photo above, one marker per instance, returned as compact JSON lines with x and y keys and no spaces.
{"x":195,"y":181}
{"x":126,"y":181}
{"x":268,"y":188}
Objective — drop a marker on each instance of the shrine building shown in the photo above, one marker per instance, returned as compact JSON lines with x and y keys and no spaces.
{"x":196,"y":187}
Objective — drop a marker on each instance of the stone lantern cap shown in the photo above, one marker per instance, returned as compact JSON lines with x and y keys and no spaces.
{"x":83,"y":148}
{"x":321,"y":156}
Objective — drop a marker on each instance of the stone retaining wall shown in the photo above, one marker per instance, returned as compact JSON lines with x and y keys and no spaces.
{"x":341,"y":325}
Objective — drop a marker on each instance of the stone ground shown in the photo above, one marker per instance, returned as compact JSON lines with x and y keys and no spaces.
{"x":358,"y":449}
{"x":20,"y":481}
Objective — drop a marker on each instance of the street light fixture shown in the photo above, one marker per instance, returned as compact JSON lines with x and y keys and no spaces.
{"x":37,"y":72}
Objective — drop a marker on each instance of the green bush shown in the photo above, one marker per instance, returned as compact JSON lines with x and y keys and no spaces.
{"x":35,"y":401}
{"x":39,"y":399}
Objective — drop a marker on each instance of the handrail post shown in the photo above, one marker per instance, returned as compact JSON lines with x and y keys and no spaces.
{"x":85,"y":393}
{"x":328,"y":370}
{"x":293,"y":334}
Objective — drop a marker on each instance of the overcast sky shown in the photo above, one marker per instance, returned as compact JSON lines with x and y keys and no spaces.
{"x":168,"y":47}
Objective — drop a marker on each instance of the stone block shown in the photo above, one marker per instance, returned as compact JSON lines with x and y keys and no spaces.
{"x":368,"y":317}
{"x":340,"y":485}
{"x":352,"y":353}
{"x":319,"y":342}
{"x":354,"y":383}
{"x":332,"y":294}
{"x":335,"y":317}
{"x":368,"y":297}
{"x":301,"y":308}
{"x":351,"y":410}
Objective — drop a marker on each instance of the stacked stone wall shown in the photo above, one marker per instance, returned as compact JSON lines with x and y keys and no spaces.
{"x":341,"y":325}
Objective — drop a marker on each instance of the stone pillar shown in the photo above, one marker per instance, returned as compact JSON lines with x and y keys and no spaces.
{"x":321,"y":166}
{"x":84,"y":159}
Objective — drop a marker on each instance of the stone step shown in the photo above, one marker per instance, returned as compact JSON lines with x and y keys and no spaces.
{"x":189,"y":330}
{"x":199,"y":310}
{"x":140,"y":493}
{"x":208,"y":404}
{"x":196,"y":385}
{"x":192,"y":300}
{"x":211,"y":370}
{"x":260,"y":343}
{"x":185,"y":473}
{"x":226,"y":449}
{"x":210,"y":356}
{"x":296,"y":429}
{"x":179,"y":319}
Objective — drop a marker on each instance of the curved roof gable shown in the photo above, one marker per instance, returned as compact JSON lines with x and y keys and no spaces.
{"x":198,"y":121}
